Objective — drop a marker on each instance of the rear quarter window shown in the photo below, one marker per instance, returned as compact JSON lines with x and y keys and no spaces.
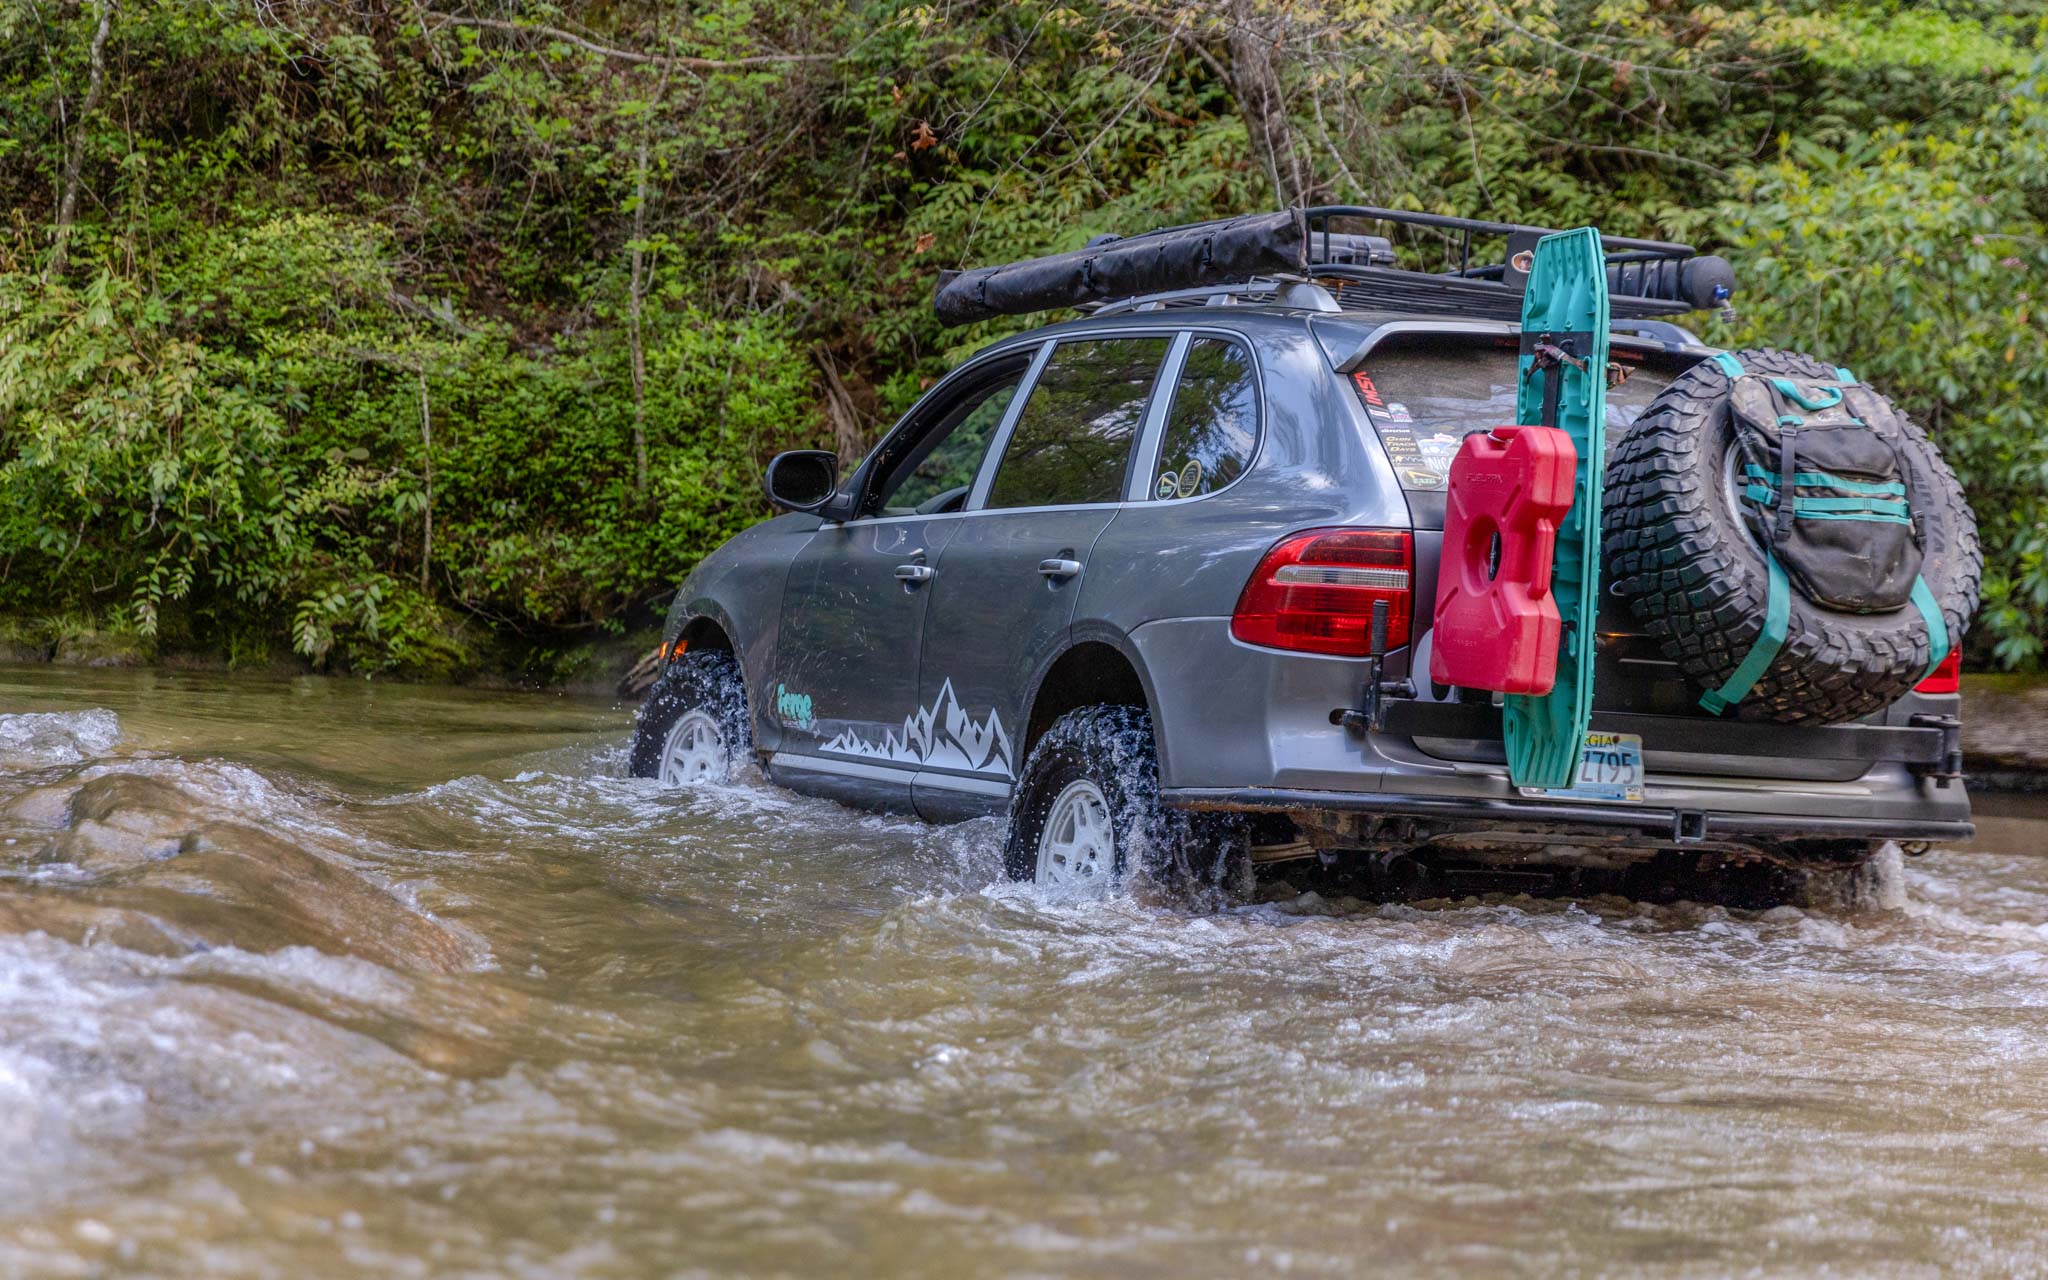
{"x":1425,"y":393}
{"x":1212,"y":423}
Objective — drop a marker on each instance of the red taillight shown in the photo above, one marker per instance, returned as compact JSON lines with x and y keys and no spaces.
{"x":1314,"y":592}
{"x":1947,"y":676}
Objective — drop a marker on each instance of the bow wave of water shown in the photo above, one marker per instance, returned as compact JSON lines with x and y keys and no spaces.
{"x":311,"y":977}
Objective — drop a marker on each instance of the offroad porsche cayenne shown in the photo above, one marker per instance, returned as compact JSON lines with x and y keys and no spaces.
{"x":1157,"y":583}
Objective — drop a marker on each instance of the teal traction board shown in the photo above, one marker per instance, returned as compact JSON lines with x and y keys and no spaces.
{"x":1565,"y":303}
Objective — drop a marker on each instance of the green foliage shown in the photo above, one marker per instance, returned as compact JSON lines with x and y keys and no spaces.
{"x":1917,"y":261}
{"x":366,"y":319}
{"x":265,"y":437}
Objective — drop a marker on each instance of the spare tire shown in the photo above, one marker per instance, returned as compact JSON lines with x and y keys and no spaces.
{"x":1678,"y":548}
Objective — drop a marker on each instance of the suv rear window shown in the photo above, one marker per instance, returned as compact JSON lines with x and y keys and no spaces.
{"x":1425,"y":393}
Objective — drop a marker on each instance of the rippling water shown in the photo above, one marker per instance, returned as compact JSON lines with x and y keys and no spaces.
{"x":313,"y":977}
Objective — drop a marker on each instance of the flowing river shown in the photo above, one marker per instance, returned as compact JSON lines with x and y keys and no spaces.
{"x":317,"y":977}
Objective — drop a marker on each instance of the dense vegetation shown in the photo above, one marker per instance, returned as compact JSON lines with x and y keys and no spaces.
{"x":429,"y":339}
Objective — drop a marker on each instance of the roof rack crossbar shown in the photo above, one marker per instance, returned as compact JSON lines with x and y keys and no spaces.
{"x":1306,"y":294}
{"x":1321,"y":214}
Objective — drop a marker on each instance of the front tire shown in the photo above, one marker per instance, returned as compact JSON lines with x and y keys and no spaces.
{"x":693,"y":727}
{"x":1087,"y":812}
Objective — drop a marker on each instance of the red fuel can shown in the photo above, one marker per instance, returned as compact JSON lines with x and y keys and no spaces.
{"x":1496,"y":624}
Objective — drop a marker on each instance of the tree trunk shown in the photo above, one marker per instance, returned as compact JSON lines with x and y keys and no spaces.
{"x":636,"y":300}
{"x":1255,"y":83}
{"x":426,"y":511}
{"x":74,"y":157}
{"x":846,"y":432}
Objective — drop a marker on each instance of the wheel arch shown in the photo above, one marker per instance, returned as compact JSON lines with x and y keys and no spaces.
{"x":704,"y":631}
{"x":1097,"y":666}
{"x":704,"y":624}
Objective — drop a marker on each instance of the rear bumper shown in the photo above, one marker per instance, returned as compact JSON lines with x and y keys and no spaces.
{"x":1932,"y":745}
{"x":1681,"y":826}
{"x":1241,"y":727}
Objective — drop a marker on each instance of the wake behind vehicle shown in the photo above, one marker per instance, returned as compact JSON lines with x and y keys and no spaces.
{"x":1163,"y":583}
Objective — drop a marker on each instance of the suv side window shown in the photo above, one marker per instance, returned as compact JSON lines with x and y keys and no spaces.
{"x":1213,"y":424}
{"x":932,"y":471}
{"x":1072,"y":442}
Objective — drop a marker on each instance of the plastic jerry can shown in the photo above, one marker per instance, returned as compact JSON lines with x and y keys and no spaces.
{"x":1497,"y":623}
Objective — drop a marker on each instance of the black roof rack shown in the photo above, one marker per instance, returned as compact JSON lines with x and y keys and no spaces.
{"x":1645,"y":278}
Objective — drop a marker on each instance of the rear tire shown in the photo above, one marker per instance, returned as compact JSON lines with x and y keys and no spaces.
{"x":693,"y":725}
{"x":1087,"y":813}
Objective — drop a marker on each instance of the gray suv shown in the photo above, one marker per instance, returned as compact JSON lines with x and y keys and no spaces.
{"x":1157,"y":584}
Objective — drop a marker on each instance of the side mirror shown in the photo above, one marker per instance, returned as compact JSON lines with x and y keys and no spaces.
{"x":802,"y":479}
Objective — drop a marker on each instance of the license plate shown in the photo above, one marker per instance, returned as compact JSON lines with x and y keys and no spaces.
{"x":1611,"y":769}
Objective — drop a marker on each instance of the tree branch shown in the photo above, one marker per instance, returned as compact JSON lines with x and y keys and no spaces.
{"x":846,"y":432}
{"x":677,"y":61}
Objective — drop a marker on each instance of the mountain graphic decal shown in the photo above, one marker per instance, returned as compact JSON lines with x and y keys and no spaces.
{"x":942,"y":736}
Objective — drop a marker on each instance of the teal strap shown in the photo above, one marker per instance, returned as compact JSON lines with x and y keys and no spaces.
{"x":1870,"y":506}
{"x":1777,"y":614}
{"x":1937,"y":630}
{"x":1880,"y":509}
{"x":1827,"y":480}
{"x":1787,"y":389}
{"x":1844,"y":377}
{"x":1870,"y":517}
{"x":1729,"y":364}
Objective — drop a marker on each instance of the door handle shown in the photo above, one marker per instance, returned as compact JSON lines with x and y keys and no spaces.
{"x":1059,"y":568}
{"x":909,"y":573}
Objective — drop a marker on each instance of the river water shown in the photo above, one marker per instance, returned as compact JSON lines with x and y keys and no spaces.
{"x":319,"y":977}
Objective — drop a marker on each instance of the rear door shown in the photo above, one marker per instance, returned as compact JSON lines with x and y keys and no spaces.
{"x":844,"y":693}
{"x":1004,"y":593}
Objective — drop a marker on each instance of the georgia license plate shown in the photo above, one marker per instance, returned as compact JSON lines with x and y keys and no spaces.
{"x":1611,"y":769}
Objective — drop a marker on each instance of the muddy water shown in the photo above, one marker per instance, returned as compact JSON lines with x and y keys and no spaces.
{"x":315,"y":977}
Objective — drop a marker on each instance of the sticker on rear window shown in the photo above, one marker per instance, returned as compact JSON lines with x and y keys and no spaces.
{"x":1400,"y":445}
{"x":1438,"y":450}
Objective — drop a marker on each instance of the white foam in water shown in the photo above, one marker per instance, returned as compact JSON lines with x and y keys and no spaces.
{"x":39,"y":739}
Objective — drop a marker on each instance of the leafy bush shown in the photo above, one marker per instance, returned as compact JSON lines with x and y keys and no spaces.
{"x":1918,"y":262}
{"x":265,"y":439}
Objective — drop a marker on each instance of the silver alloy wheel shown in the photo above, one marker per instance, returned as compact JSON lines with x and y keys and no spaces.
{"x":695,"y":750}
{"x":1077,"y":847}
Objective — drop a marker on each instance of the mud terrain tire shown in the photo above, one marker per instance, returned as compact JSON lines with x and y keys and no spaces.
{"x":1112,"y":747}
{"x":706,"y":680}
{"x":1695,"y":580}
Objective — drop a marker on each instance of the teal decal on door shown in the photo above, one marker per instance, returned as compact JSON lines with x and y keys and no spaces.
{"x":794,"y":708}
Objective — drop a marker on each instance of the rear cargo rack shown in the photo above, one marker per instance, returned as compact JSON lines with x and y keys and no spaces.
{"x":1302,"y":258}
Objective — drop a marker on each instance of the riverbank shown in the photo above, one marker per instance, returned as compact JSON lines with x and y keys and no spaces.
{"x":2005,"y":732}
{"x":2005,"y":717}
{"x":593,"y":667}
